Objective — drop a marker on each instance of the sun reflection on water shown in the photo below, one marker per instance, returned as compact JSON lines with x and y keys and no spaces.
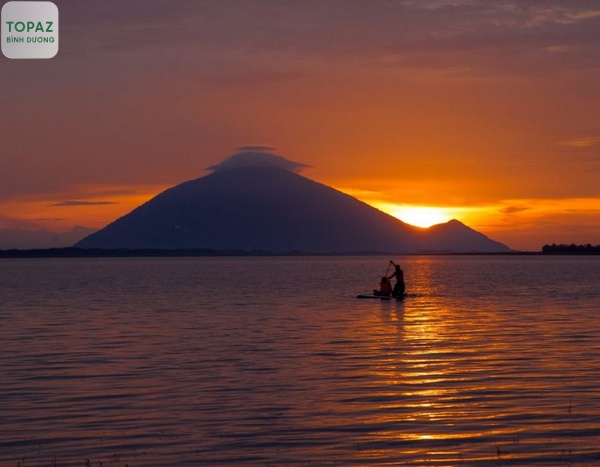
{"x":433,"y":380}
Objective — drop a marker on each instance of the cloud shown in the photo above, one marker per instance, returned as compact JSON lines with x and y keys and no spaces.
{"x":351,"y":28}
{"x":14,"y":223}
{"x":257,"y":156}
{"x":69,"y":203}
{"x":514,"y":209}
{"x":585,"y":142}
{"x":231,"y":36}
{"x":22,"y":238}
{"x":436,"y":4}
{"x":255,"y":149}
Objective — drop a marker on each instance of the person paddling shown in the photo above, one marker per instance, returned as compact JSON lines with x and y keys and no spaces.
{"x":400,"y":286}
{"x":385,"y":288}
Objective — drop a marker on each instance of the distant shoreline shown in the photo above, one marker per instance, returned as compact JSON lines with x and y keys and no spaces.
{"x":72,"y":252}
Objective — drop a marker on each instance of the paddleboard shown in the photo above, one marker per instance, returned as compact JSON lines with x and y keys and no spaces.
{"x":383,"y":297}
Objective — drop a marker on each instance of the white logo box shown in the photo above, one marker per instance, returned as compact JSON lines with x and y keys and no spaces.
{"x":29,"y":29}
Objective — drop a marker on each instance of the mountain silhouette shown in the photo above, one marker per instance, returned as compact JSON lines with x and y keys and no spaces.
{"x":256,"y":203}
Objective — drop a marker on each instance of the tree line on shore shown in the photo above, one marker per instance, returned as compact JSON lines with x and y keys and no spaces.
{"x":563,"y":248}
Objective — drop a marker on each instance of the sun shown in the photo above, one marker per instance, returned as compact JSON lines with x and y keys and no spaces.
{"x":421,"y":216}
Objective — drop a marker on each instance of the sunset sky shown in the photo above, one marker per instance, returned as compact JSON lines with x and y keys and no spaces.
{"x":483,"y":111}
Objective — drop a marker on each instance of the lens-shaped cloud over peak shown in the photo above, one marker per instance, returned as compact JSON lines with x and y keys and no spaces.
{"x":257,"y":156}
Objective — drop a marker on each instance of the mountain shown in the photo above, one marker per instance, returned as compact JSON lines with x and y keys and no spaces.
{"x":454,"y":236}
{"x":261,"y":203}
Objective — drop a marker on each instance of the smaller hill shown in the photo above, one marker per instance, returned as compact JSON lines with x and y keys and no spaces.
{"x":454,"y":236}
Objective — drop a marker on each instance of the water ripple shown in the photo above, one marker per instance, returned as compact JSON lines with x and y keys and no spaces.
{"x":149,"y":362}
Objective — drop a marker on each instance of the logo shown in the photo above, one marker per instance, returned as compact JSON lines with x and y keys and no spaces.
{"x":29,"y":30}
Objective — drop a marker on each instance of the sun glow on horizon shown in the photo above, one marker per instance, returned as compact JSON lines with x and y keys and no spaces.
{"x":419,"y":216}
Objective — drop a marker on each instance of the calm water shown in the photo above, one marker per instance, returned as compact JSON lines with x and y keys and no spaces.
{"x":272,"y":361}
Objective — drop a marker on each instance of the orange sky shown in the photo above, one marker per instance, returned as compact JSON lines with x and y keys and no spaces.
{"x":486,"y":110}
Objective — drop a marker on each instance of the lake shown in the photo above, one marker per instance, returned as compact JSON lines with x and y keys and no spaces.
{"x":273,"y":361}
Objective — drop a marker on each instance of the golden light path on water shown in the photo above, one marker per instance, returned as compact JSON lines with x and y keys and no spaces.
{"x":446,"y":381}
